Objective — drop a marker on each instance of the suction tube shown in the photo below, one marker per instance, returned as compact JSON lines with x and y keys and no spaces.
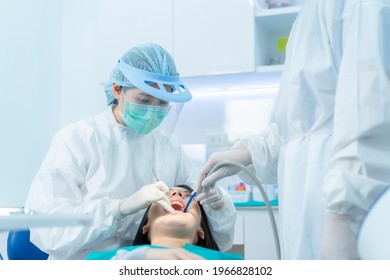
{"x":189,"y":201}
{"x":263,"y":193}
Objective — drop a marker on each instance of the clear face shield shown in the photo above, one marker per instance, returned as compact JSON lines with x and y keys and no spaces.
{"x":157,"y":101}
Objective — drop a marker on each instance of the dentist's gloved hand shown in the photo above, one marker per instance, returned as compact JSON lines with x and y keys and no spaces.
{"x":148,"y":194}
{"x":241,"y":155}
{"x":339,"y":238}
{"x":211,"y":196}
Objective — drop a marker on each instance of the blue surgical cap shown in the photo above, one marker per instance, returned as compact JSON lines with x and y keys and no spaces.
{"x":149,"y":57}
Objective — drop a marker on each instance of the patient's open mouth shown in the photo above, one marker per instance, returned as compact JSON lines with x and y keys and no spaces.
{"x":177,"y":205}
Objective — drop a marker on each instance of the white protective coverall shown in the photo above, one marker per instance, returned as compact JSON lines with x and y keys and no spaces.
{"x":93,"y":163}
{"x":329,"y":145}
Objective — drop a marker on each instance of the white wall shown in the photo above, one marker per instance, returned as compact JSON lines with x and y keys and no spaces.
{"x":82,"y":95}
{"x":30,"y":69}
{"x":49,"y":55}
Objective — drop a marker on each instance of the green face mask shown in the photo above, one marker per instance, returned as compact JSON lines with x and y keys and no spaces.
{"x":142,"y":119}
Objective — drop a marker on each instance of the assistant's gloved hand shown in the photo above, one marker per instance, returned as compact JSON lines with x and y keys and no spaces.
{"x":211,"y":196}
{"x":339,"y":239}
{"x":241,"y":155}
{"x":148,"y":194}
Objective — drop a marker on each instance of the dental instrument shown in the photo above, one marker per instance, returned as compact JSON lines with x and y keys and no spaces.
{"x":189,"y":201}
{"x":154,"y":171}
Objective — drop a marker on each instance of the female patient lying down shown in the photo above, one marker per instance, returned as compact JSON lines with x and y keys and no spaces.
{"x":172,"y":236}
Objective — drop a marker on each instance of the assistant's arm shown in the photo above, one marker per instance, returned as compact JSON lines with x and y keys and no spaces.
{"x":360,"y":150}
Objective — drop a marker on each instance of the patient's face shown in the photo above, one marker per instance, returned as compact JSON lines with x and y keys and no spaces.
{"x":176,"y":223}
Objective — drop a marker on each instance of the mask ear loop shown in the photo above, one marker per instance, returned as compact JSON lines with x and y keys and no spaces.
{"x":120,"y":111}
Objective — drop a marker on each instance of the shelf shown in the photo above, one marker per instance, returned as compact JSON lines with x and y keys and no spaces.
{"x":269,"y":68}
{"x":278,"y":20}
{"x":278,"y":11}
{"x":272,"y":25}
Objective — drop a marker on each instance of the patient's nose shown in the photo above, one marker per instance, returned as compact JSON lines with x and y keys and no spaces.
{"x":177,"y":193}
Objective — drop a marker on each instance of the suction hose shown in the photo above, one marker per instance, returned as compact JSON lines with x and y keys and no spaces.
{"x":263,"y":193}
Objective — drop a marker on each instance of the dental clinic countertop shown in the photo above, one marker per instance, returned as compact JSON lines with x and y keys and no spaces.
{"x":253,"y":203}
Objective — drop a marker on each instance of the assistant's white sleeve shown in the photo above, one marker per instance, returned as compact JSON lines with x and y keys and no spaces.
{"x":264,"y":149}
{"x":58,"y":189}
{"x":360,"y":158}
{"x":222,"y":222}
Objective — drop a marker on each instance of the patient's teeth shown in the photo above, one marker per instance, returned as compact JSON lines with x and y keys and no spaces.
{"x":177,"y":205}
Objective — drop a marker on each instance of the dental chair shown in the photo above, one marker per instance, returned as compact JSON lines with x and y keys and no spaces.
{"x":374,"y":232}
{"x":19,"y":247}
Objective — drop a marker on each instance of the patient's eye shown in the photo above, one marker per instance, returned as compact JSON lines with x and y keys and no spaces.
{"x":182,"y":193}
{"x":187,"y":194}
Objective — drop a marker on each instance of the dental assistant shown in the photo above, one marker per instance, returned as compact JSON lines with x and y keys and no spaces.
{"x":328,"y":145}
{"x":108,"y":165}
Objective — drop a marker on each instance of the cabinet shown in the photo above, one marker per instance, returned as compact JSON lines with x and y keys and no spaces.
{"x":213,"y":37}
{"x":205,"y":37}
{"x":272,"y":25}
{"x":253,"y":233}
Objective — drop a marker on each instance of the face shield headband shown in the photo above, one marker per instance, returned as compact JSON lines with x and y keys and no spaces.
{"x":144,"y":79}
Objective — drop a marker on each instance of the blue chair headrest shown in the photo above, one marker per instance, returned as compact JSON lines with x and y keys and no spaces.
{"x":19,"y":247}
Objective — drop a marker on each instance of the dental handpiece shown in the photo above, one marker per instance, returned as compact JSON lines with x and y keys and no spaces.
{"x":189,"y":201}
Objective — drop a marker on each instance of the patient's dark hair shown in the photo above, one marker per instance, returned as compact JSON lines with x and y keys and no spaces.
{"x":207,"y":242}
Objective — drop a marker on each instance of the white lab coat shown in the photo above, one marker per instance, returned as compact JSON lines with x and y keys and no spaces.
{"x":328,"y":147}
{"x":93,"y":163}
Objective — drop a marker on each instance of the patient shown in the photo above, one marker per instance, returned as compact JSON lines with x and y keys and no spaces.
{"x":177,"y":235}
